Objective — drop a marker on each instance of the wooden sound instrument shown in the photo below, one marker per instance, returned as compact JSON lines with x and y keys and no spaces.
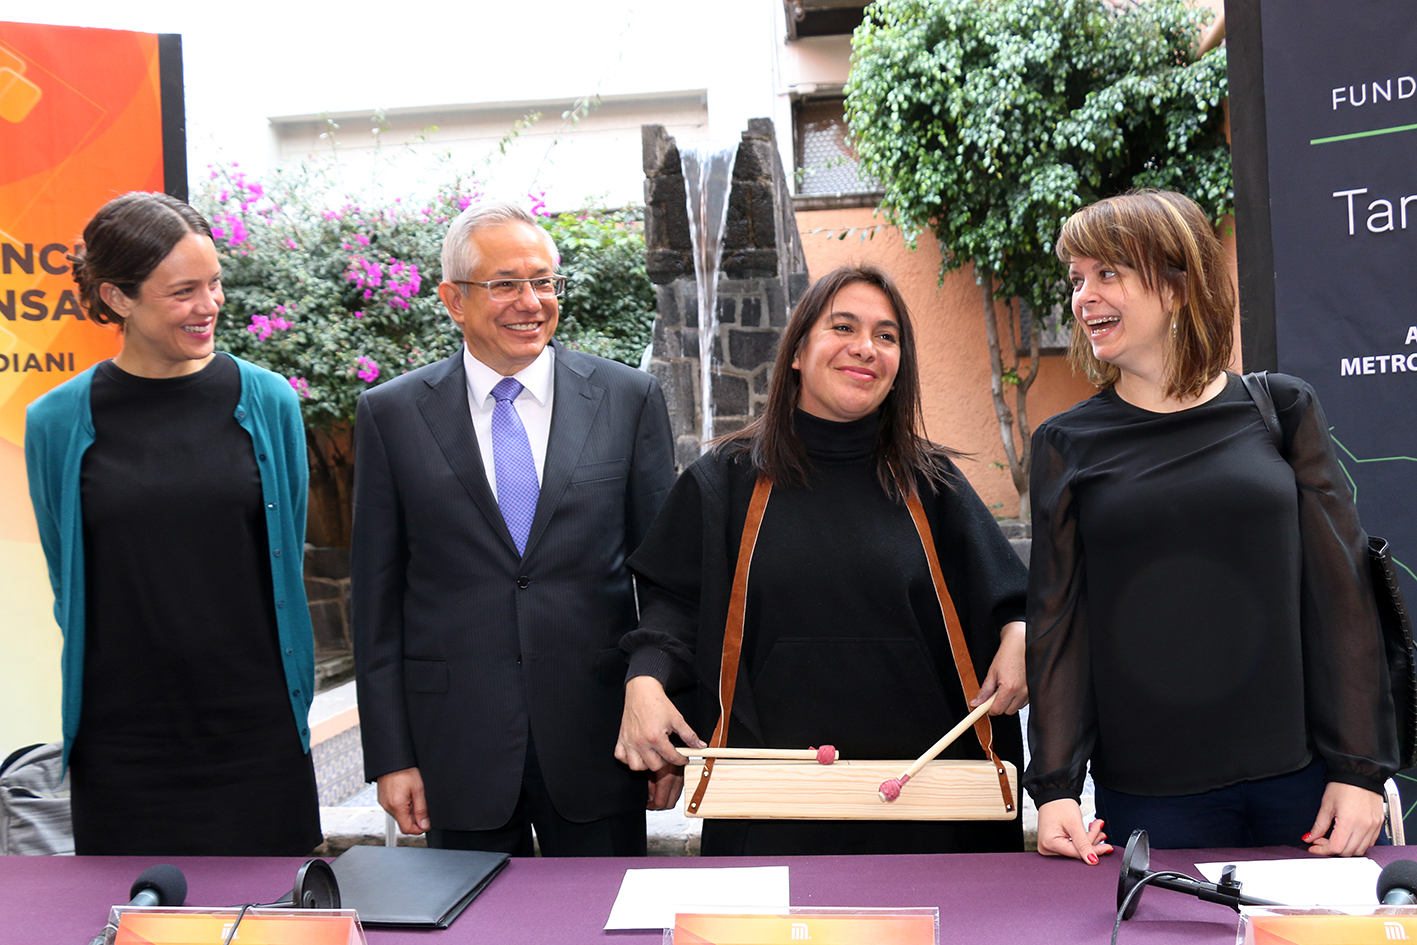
{"x":796,"y":784}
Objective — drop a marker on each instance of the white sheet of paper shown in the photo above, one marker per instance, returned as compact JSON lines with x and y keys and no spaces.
{"x":648,"y":899}
{"x":1315,"y":881}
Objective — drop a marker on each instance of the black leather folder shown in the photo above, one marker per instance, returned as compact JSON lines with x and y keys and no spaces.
{"x":413,"y":887}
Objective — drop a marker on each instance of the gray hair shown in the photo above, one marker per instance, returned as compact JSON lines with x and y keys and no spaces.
{"x":460,"y":254}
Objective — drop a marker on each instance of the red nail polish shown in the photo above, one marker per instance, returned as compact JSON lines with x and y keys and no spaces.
{"x":1306,"y":837}
{"x":1092,"y":858}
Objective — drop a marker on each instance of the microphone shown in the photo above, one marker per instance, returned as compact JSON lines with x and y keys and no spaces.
{"x":1397,"y":883}
{"x":1136,"y":872}
{"x":161,"y":885}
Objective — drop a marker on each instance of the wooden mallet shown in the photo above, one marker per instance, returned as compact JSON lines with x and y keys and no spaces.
{"x":822,"y":756}
{"x":890,"y":788}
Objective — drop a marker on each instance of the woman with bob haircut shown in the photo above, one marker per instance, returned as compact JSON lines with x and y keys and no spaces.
{"x":843,"y":641}
{"x":1201,"y":622}
{"x":169,"y":484}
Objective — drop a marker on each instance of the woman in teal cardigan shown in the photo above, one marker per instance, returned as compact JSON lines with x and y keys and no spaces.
{"x":169,"y":485}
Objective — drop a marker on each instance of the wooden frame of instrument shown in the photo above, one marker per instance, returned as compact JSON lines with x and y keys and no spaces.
{"x":847,"y":790}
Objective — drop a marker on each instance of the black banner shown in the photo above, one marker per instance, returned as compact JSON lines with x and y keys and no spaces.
{"x":1340,"y":96}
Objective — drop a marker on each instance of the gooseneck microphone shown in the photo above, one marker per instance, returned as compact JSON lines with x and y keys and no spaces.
{"x":161,"y":885}
{"x":1397,"y":883}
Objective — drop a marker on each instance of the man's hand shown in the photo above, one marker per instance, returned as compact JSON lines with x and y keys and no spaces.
{"x":645,"y":728}
{"x":665,"y":786}
{"x":401,"y":794}
{"x":1355,"y":815}
{"x":1006,"y":673}
{"x":1061,"y":833}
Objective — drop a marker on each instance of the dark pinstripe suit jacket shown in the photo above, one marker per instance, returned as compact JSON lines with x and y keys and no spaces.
{"x":461,"y":646}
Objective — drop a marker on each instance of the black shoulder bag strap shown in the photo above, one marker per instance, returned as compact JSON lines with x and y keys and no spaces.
{"x":1392,"y":609}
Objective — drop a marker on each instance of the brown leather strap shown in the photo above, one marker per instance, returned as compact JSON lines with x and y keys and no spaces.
{"x":733,"y":629}
{"x":733,"y":636}
{"x":964,"y":665}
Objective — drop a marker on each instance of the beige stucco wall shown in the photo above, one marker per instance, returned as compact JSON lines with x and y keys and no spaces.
{"x":953,"y":351}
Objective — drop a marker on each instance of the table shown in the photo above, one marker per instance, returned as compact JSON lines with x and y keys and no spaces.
{"x":983,"y":898}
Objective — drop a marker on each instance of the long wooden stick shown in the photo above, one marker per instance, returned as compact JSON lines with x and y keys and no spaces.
{"x":890,"y":789}
{"x":768,"y":754}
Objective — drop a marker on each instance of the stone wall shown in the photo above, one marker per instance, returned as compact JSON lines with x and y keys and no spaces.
{"x":327,"y":589}
{"x":762,"y":275}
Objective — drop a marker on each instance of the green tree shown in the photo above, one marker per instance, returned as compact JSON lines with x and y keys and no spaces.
{"x":989,"y":121}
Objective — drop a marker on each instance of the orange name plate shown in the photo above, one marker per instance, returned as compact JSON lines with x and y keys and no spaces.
{"x":817,"y":926}
{"x":1359,"y":925}
{"x":167,"y":926}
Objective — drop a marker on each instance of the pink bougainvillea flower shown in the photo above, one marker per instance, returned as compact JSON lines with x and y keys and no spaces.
{"x":366,"y":369}
{"x":263,"y":326}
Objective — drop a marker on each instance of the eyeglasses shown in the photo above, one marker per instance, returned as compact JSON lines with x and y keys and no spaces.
{"x":509,"y":290}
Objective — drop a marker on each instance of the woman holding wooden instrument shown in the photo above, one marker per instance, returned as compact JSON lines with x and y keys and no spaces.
{"x":1202,"y":625}
{"x":843,"y":640}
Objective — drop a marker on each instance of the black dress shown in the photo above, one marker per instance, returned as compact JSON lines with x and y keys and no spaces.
{"x":185,"y":742}
{"x":843,"y":641}
{"x":1195,"y":619}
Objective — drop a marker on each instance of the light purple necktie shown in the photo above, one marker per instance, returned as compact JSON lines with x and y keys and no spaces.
{"x":517,"y":487}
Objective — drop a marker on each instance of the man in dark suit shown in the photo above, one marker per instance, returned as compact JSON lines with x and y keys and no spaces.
{"x":497,"y":495}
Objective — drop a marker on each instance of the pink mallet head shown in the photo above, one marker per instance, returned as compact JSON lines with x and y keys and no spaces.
{"x":890,"y":789}
{"x":826,"y":755}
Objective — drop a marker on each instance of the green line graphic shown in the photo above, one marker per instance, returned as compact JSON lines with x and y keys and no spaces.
{"x":1363,"y":134}
{"x":1376,"y":459}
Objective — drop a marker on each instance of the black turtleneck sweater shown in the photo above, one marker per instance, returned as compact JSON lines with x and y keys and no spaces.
{"x":843,"y":640}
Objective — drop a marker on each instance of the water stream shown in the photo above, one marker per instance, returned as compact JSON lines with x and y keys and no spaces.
{"x":708,"y":178}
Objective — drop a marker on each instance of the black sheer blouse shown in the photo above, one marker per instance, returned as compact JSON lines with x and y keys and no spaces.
{"x":1200,"y":611}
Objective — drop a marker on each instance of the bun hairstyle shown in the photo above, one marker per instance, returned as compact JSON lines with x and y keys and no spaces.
{"x":125,"y":241}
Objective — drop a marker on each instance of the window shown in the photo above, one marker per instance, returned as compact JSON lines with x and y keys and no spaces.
{"x":826,"y":162}
{"x":822,"y":17}
{"x":1054,"y":335}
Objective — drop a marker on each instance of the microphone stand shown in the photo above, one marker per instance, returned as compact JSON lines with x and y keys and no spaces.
{"x":1136,"y":875}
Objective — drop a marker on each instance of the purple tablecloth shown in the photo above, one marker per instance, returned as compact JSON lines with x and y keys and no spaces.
{"x":983,"y":898}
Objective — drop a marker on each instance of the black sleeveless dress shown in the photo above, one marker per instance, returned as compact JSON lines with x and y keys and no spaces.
{"x":186,"y":745}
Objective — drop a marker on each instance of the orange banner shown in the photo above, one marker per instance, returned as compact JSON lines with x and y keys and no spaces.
{"x":81,"y":121}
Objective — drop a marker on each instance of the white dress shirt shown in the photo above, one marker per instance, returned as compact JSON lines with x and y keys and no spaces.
{"x":533,"y":405}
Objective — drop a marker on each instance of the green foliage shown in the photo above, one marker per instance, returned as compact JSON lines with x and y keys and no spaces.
{"x":340,"y":296}
{"x":334,"y":297}
{"x":990,"y":121}
{"x":609,"y":304}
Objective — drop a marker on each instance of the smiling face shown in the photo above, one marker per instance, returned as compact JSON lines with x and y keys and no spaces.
{"x":505,"y":336}
{"x":168,"y":328}
{"x":849,"y":358}
{"x":1126,"y":323}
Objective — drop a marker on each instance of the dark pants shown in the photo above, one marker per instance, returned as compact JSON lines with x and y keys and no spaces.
{"x":617,"y":835}
{"x":1267,"y":813}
